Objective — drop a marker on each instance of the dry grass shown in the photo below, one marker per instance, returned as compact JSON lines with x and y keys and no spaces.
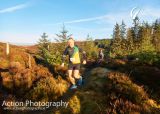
{"x":4,"y":64}
{"x":36,"y":83}
{"x":47,"y":89}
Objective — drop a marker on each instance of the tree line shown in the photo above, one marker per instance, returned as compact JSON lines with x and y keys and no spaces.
{"x":142,"y":37}
{"x":141,"y":40}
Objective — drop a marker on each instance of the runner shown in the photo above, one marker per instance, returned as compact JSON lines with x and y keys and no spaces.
{"x":100,"y":55}
{"x":74,"y":63}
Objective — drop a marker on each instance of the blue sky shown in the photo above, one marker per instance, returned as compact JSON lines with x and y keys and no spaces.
{"x":23,"y":21}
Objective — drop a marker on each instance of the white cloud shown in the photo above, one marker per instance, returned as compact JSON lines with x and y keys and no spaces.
{"x":146,"y":14}
{"x":110,"y":18}
{"x":14,"y":8}
{"x":87,"y":19}
{"x":81,"y":20}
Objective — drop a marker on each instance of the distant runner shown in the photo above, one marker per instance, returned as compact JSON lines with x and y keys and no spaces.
{"x":74,"y":62}
{"x":101,"y":55}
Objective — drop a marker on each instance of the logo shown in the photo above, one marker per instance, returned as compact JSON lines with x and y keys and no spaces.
{"x":134,"y":12}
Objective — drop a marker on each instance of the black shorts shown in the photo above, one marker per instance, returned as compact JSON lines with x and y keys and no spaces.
{"x":74,"y":67}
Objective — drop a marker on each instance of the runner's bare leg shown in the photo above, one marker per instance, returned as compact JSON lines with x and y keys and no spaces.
{"x":72,"y":80}
{"x":76,"y":74}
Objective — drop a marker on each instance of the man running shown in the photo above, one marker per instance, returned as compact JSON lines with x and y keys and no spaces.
{"x":74,"y":62}
{"x":101,"y":55}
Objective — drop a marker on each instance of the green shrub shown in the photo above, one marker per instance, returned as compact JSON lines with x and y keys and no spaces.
{"x":148,"y":57}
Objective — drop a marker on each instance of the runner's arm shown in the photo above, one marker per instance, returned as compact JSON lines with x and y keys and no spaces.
{"x":65,"y":53}
{"x":84,"y":56}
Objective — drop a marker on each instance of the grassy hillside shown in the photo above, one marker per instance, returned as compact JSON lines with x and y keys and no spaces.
{"x":114,"y":86}
{"x":108,"y":92}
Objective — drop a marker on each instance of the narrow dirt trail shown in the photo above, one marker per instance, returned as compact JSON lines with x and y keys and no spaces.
{"x":66,"y":97}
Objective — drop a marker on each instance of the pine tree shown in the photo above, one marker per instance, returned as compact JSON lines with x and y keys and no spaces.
{"x":63,"y":37}
{"x":61,"y":40}
{"x":116,"y":42}
{"x":90,"y":48}
{"x":136,"y":27}
{"x":44,"y":42}
{"x":146,"y":38}
{"x":130,"y":43}
{"x":116,"y":32}
{"x":123,"y":37}
{"x":123,"y":30}
{"x":89,"y":38}
{"x":156,"y":35}
{"x":44,"y":46}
